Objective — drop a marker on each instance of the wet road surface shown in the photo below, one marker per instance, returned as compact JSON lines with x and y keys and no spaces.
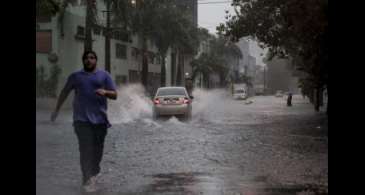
{"x":229,"y":147}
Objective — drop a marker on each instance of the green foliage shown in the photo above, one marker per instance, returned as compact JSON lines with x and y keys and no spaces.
{"x":292,"y":29}
{"x":47,"y":87}
{"x":162,"y":22}
{"x":218,"y":59}
{"x":47,"y":7}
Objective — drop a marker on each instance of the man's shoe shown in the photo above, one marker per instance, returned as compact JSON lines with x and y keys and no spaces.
{"x":97,"y":177}
{"x":90,"y":186}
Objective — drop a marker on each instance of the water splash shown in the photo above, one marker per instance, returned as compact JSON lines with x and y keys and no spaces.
{"x":132,"y":104}
{"x":209,"y":104}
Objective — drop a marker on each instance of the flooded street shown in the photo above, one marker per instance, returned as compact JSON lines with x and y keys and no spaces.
{"x":229,"y":147}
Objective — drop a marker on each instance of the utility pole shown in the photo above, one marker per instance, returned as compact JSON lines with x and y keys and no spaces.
{"x":88,"y":42}
{"x":264,"y":80}
{"x":107,"y":37}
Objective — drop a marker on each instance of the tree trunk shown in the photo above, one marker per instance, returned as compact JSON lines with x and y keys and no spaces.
{"x":222,"y":81}
{"x":173,"y":68}
{"x":201,"y":80}
{"x":88,"y":27}
{"x":107,"y":38}
{"x":179,"y":72}
{"x":144,"y":78}
{"x":327,"y":102}
{"x":318,"y":99}
{"x":207,"y":81}
{"x":163,"y":70}
{"x":311,"y":96}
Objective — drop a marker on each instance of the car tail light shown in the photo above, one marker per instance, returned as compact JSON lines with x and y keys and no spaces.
{"x":156,"y":101}
{"x":186,"y":101}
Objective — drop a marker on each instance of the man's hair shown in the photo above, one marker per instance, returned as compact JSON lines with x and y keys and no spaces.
{"x":84,"y":56}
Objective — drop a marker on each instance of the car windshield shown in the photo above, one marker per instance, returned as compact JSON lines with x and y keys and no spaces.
{"x":240,"y":91}
{"x":171,"y":91}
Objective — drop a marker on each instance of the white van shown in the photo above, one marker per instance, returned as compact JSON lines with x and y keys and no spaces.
{"x":239,"y":94}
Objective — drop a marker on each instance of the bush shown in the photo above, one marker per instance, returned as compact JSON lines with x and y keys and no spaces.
{"x":47,"y":87}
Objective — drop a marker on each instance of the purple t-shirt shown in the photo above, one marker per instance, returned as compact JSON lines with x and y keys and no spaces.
{"x":87,"y":105}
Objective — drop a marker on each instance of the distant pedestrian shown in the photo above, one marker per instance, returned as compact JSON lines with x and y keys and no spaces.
{"x":189,"y":86}
{"x":288,"y":102}
{"x":92,"y":88}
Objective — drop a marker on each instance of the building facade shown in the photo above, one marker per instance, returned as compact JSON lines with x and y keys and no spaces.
{"x":63,"y":42}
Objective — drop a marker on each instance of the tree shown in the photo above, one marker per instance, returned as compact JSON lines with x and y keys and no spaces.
{"x":187,"y":42}
{"x":47,"y":7}
{"x":219,"y":59}
{"x":225,"y":55}
{"x":295,"y":28}
{"x":138,"y":17}
{"x":90,"y":20}
{"x":63,"y":6}
{"x":142,"y":18}
{"x":202,"y":67}
{"x":159,"y":22}
{"x":179,"y":35}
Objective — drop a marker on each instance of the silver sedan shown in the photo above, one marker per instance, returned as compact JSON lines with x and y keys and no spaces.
{"x":172,"y":101}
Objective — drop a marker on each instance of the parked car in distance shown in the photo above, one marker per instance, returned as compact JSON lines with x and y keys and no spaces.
{"x":239,"y":94}
{"x":279,"y":93}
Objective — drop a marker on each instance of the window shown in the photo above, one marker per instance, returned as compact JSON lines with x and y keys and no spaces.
{"x":158,"y":59}
{"x":151,"y":57}
{"x":97,"y":30}
{"x":171,"y":91}
{"x":121,"y":51}
{"x":80,"y":31}
{"x":134,"y":52}
{"x":134,"y":76}
{"x":121,"y":36}
{"x":44,"y":41}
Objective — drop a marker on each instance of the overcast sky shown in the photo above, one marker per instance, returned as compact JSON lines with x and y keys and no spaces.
{"x":212,"y":12}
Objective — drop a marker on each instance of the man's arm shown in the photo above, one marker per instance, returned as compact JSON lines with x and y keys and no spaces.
{"x":61,"y":99}
{"x":111,"y":94}
{"x":109,"y":90}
